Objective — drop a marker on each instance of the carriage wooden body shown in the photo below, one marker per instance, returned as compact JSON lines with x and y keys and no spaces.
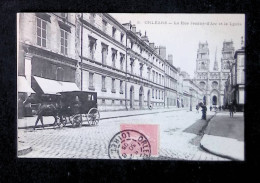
{"x":78,"y":106}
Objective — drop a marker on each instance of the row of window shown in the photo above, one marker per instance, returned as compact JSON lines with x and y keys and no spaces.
{"x":41,"y":34}
{"x":158,"y":78}
{"x":148,"y":56}
{"x":92,"y":18}
{"x":170,"y":71}
{"x":171,"y":83}
{"x":157,"y":94}
{"x":113,"y":88}
{"x":104,"y":53}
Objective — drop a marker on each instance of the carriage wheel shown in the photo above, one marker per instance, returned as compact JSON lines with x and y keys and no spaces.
{"x":76,"y":120}
{"x":93,"y":116}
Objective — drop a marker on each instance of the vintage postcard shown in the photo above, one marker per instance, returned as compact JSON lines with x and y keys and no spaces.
{"x":131,"y":86}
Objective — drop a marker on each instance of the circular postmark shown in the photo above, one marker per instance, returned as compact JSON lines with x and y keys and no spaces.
{"x":129,"y":144}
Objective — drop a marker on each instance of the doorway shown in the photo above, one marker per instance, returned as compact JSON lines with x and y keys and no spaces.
{"x":214,"y":100}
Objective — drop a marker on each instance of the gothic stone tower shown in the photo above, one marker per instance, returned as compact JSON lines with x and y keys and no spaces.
{"x":202,"y":68}
{"x":213,"y":81}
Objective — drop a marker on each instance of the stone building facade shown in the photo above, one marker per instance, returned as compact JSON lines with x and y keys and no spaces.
{"x":96,"y":53}
{"x":46,"y":55}
{"x":47,"y":46}
{"x":171,"y":83}
{"x":235,"y":85}
{"x":145,"y":71}
{"x":103,"y":59}
{"x":213,"y":81}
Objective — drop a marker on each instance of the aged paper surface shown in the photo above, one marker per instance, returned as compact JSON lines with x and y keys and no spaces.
{"x":131,"y":86}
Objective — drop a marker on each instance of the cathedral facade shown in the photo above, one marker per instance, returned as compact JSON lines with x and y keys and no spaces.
{"x":213,"y":81}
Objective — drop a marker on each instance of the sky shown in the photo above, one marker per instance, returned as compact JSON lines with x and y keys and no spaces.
{"x":181,"y":34}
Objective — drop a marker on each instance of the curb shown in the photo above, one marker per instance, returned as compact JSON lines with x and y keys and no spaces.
{"x":112,"y":117}
{"x":24,"y":151}
{"x":136,"y":114}
{"x":212,"y":152}
{"x":205,"y":127}
{"x":217,"y":154}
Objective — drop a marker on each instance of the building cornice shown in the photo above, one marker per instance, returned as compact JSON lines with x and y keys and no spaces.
{"x":46,"y":54}
{"x":136,"y":55}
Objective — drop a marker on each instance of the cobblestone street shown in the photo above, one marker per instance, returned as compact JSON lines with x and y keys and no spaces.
{"x":92,"y":141}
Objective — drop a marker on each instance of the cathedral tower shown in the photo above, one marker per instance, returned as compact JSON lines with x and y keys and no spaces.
{"x":227,"y":56}
{"x":203,"y":58}
{"x":202,"y":68}
{"x":212,"y":81}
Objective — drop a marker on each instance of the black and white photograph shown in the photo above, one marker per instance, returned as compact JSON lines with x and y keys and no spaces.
{"x":131,"y":86}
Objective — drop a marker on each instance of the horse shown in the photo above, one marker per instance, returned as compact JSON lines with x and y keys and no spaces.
{"x":46,"y":108}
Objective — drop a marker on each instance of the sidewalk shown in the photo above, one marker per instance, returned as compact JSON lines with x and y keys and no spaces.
{"x":29,"y":122}
{"x":224,"y":136}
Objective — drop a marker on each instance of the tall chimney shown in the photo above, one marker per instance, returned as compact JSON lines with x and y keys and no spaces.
{"x":170,"y":59}
{"x":162,"y":52}
{"x":145,"y":38}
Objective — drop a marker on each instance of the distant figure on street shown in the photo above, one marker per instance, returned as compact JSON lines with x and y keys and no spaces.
{"x":151,"y":106}
{"x":231,"y":109}
{"x":210,"y":108}
{"x":219,"y":108}
{"x":223,"y":108}
{"x":204,"y":112}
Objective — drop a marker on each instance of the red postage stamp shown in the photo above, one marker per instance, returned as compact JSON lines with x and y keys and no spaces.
{"x":135,"y":141}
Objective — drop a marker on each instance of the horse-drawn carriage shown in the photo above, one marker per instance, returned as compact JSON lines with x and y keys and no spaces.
{"x":77,"y":106}
{"x":68,"y":107}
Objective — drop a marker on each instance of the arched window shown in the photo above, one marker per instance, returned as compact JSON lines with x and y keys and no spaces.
{"x":214,"y":84}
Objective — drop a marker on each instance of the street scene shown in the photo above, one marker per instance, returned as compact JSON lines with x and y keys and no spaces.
{"x":131,"y":86}
{"x":181,"y":130}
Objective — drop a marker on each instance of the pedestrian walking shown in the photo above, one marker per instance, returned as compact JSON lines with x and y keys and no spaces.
{"x":204,"y":112}
{"x":231,"y":109}
{"x":151,"y":106}
{"x":219,"y":108}
{"x":210,"y":108}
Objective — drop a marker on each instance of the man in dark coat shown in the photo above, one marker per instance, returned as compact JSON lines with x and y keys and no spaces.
{"x":231,"y":109}
{"x":204,"y":112}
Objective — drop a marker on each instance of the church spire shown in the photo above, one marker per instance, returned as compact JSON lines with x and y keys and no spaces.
{"x":215,"y":68}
